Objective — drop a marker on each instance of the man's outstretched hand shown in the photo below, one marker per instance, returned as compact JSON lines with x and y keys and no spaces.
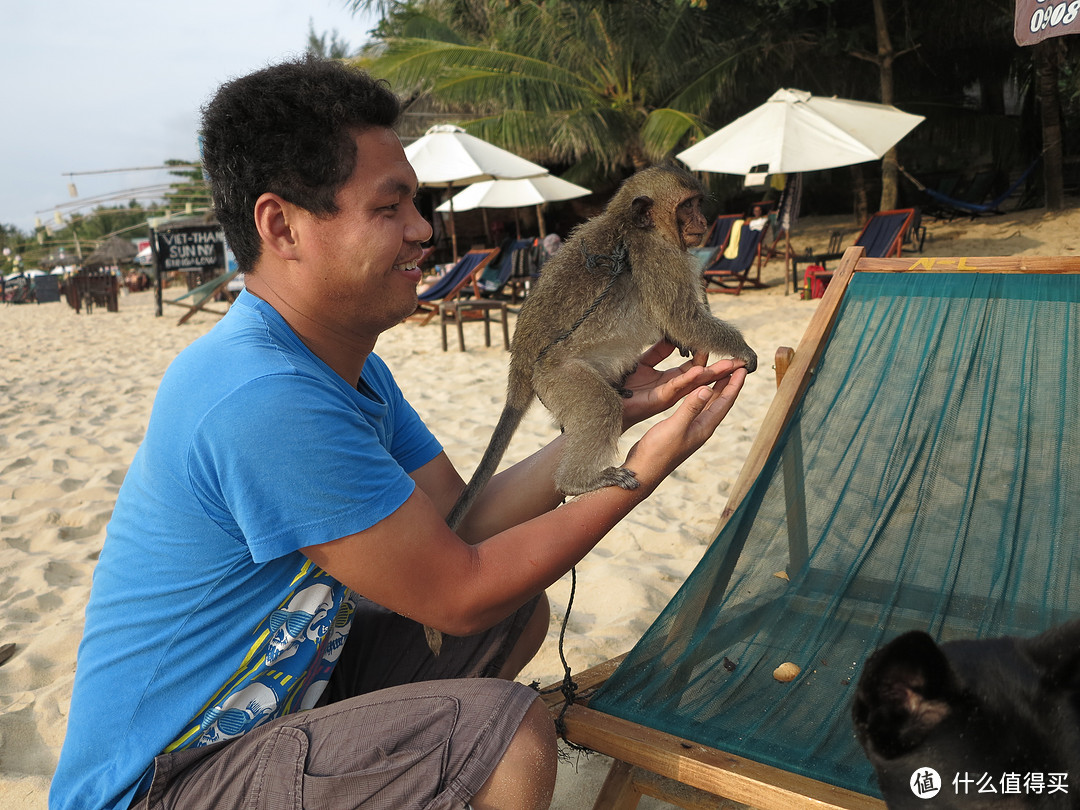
{"x":654,"y":391}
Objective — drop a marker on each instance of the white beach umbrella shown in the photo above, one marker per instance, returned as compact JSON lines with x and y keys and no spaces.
{"x":515,"y":194}
{"x":795,"y":131}
{"x":447,"y":156}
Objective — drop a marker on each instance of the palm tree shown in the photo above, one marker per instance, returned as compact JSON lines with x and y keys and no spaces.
{"x":596,"y":88}
{"x":602,"y":87}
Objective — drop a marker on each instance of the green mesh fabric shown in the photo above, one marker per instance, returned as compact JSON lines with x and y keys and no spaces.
{"x":931,"y":474}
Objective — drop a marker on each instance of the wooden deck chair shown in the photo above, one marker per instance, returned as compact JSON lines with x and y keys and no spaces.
{"x":720,"y":231}
{"x":463,"y":275}
{"x":201,"y":296}
{"x":495,"y":278}
{"x":882,"y":236}
{"x":902,"y":479}
{"x":731,"y":275}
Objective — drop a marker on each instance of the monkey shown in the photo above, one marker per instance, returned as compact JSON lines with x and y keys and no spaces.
{"x":622,"y":281}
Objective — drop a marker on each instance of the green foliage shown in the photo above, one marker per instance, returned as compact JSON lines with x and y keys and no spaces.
{"x":334,"y":48}
{"x":79,"y":233}
{"x":617,"y":84}
{"x":606,"y":86}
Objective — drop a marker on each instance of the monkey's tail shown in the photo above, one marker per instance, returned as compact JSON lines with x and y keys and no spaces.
{"x":509,"y":420}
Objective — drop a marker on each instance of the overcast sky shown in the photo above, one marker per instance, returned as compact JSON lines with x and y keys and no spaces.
{"x":91,"y":85}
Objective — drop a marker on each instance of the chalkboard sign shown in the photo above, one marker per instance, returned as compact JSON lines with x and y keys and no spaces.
{"x":190,"y":248}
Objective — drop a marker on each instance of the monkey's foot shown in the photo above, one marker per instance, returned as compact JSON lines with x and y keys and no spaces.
{"x":611,"y":477}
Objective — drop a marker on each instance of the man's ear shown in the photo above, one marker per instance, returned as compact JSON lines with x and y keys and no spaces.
{"x":906,"y":689}
{"x":275,"y":221}
{"x":641,"y":212}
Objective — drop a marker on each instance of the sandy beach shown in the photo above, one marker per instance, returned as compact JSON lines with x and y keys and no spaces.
{"x":76,"y":392}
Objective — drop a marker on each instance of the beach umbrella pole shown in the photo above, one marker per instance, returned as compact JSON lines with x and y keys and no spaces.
{"x":453,"y":230}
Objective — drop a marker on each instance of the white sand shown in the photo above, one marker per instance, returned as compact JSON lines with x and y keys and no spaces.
{"x":76,"y":391}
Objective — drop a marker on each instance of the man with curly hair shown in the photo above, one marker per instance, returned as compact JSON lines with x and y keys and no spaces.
{"x":254,"y":636}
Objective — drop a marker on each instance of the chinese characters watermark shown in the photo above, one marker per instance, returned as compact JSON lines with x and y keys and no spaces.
{"x":927,"y":783}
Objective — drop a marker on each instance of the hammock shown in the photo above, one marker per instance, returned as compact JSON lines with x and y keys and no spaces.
{"x":966,"y":206}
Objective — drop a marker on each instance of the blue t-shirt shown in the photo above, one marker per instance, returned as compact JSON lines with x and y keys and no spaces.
{"x":205,"y":619}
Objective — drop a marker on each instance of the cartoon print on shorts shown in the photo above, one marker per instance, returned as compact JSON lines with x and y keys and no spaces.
{"x":239,"y":713}
{"x":287,"y":667}
{"x":306,"y":619}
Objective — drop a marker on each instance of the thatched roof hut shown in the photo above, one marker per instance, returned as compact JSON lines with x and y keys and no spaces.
{"x":113,"y":251}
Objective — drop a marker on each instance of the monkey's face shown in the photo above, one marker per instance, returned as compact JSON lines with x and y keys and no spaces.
{"x":690,"y":221}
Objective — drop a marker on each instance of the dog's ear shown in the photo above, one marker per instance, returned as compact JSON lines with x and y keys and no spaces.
{"x":1056,"y":654}
{"x":905,"y":690}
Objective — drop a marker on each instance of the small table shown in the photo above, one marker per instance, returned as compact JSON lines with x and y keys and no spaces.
{"x":477,"y":309}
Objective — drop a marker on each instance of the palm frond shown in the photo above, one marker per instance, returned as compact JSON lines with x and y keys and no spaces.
{"x":666,"y":129}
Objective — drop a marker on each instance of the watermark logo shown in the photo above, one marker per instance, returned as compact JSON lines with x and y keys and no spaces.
{"x":925,"y":783}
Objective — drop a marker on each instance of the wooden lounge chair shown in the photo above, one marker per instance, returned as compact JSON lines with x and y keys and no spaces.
{"x":495,"y":279}
{"x":464,"y":275}
{"x":882,"y":236}
{"x":201,"y":296}
{"x":731,"y":275}
{"x":910,"y":482}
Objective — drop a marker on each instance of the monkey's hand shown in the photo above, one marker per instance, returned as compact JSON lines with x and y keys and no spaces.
{"x":653,"y":390}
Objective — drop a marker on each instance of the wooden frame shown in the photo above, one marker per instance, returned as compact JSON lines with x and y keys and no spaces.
{"x":201,"y":296}
{"x":90,"y":287}
{"x":694,"y":776}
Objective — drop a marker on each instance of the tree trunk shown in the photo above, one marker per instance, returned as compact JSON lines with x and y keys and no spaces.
{"x":860,"y":196}
{"x":1046,"y":62}
{"x":889,"y":171}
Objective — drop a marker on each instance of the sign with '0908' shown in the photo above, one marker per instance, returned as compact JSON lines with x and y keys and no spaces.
{"x":1037,"y":20}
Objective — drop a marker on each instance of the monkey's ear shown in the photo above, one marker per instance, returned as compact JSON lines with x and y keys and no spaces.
{"x":641,"y":212}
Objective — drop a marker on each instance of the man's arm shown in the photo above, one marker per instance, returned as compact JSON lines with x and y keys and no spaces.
{"x":514,"y":496}
{"x":412,"y":563}
{"x":525,"y":490}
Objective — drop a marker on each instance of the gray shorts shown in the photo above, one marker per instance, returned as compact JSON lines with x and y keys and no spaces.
{"x":398,"y":728}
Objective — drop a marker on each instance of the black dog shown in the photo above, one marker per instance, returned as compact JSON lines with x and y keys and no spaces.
{"x":998,"y":720}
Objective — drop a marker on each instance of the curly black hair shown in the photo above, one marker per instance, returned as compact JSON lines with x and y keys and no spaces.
{"x":287,"y":129}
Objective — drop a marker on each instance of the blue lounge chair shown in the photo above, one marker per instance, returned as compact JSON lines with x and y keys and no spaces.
{"x":496,"y":276}
{"x":730,"y":276}
{"x":465,"y":273}
{"x":882,"y":236}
